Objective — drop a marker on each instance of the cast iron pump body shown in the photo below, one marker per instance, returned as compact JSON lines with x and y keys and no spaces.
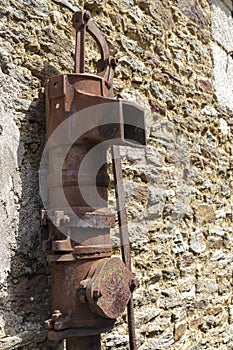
{"x":90,"y":289}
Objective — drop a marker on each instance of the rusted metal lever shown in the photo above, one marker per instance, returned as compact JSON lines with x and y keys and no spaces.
{"x":105,"y":67}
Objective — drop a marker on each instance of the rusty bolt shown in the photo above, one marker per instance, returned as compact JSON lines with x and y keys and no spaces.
{"x":60,"y":218}
{"x":82,"y":290}
{"x":96,"y":294}
{"x":57,"y":315}
{"x":49,"y":324}
{"x":65,"y":219}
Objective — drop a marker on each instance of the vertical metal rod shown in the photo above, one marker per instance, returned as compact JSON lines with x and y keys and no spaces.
{"x":124,"y":235}
{"x":84,"y":343}
{"x":80,"y":50}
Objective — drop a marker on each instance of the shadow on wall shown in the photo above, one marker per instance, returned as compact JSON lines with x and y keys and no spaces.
{"x":28,"y":303}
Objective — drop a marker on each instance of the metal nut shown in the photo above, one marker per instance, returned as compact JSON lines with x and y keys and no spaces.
{"x":57,"y":315}
{"x":49,"y":324}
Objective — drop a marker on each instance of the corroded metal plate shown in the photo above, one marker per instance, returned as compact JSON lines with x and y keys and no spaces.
{"x":108,"y":291}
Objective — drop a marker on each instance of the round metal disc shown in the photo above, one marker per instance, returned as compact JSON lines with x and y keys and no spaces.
{"x":108,"y":291}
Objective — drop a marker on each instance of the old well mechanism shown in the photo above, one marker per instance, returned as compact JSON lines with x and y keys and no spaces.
{"x":90,"y":289}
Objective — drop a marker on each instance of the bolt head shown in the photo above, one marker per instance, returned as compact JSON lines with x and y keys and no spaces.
{"x":48,"y":324}
{"x":56,"y":315}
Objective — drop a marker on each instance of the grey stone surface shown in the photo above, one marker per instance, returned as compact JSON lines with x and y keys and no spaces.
{"x":223,"y":75}
{"x":116,"y":340}
{"x":222,"y":21}
{"x":9,"y":177}
{"x":197,"y":242}
{"x":70,"y":4}
{"x":158,"y":344}
{"x":207,"y":285}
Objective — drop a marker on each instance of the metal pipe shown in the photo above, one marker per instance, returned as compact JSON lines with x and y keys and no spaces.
{"x":89,"y":288}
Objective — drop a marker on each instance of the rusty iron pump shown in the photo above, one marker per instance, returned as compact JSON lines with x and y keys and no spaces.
{"x":90,"y":289}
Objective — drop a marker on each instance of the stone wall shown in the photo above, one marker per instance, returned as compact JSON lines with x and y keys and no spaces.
{"x":178,"y":190}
